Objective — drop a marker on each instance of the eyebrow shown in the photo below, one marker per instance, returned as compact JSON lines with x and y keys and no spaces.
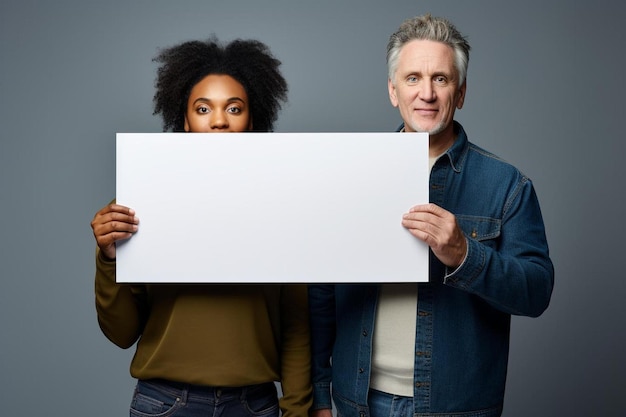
{"x":229,"y":100}
{"x":433,"y":74}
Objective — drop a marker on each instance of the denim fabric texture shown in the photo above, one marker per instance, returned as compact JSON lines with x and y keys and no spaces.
{"x":388,"y":405}
{"x":463,"y":316}
{"x":164,"y":398}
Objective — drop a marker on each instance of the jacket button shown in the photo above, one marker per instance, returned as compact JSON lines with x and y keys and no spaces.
{"x":364,"y":332}
{"x":361,"y":370}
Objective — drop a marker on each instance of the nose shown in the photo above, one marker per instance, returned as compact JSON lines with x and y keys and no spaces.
{"x":218,"y":120}
{"x":426,"y":91}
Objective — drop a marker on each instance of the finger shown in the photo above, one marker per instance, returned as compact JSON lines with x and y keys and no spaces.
{"x":429,"y":208}
{"x":416,"y":227}
{"x":432,"y":209}
{"x":119,"y":209}
{"x":115,"y":227}
{"x":415,"y":218}
{"x":106,"y":215}
{"x":114,"y":210}
{"x":121,"y":217}
{"x":110,"y":238}
{"x":426,"y":226}
{"x":107,"y":235}
{"x":420,"y":234}
{"x":419,"y":208}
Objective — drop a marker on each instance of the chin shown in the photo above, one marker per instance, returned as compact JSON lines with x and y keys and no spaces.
{"x":421,"y":129}
{"x":434,"y":130}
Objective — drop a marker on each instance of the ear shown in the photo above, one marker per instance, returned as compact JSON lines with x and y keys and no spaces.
{"x":461,"y":92}
{"x":186,"y":124}
{"x":392,"y":93}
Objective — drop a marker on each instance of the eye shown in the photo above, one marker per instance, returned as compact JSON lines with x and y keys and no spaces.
{"x":234,"y":110}
{"x":440,"y":79}
{"x":203,"y":109}
{"x":411,"y":79}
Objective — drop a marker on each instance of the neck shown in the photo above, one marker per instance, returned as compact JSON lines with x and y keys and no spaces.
{"x":441,"y":142}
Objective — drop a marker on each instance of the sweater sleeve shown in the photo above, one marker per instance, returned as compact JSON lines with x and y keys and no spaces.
{"x":121,"y":308}
{"x":295,"y":352}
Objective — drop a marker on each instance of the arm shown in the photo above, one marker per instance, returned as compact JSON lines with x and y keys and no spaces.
{"x":324,"y":412}
{"x":323,"y":325}
{"x":121,"y":309}
{"x":512,"y":272}
{"x":295,"y":352}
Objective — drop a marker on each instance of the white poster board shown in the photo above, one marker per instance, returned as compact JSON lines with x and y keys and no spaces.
{"x":271,"y":207}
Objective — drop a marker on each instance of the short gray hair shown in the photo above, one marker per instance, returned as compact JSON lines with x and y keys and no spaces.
{"x":429,"y":28}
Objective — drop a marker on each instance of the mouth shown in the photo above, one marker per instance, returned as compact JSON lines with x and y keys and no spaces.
{"x":426,"y":112}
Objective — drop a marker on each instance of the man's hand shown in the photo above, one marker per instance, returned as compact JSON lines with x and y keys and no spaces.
{"x":439,"y":229}
{"x":114,"y":222}
{"x":324,"y":412}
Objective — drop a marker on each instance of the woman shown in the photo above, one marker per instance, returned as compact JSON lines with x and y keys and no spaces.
{"x":208,"y":349}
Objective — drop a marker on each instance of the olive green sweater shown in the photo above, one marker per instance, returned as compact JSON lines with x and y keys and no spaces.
{"x":211,"y":334}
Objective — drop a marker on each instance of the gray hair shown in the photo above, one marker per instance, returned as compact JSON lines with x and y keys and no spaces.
{"x":429,"y":28}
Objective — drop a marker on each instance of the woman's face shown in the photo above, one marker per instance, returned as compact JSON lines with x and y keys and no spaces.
{"x":218,"y":103}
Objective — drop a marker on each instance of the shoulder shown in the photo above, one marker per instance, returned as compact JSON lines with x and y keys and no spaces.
{"x":492,"y":164}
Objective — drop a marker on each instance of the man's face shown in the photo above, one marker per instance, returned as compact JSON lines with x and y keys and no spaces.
{"x":426,"y":89}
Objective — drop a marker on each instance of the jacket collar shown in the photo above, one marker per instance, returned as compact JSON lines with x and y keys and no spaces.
{"x":457,"y":153}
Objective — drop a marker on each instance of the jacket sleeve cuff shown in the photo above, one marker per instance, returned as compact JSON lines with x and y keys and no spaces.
{"x":321,"y":396}
{"x":470,"y":268}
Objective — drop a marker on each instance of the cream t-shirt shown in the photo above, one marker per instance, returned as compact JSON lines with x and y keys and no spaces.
{"x":393,"y":351}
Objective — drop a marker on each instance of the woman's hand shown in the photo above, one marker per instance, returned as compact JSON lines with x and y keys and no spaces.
{"x":114,"y":222}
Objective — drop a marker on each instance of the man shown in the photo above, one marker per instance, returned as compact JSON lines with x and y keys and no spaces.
{"x":441,"y":347}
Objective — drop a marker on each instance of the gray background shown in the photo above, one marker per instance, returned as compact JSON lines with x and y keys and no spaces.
{"x":545,"y":91}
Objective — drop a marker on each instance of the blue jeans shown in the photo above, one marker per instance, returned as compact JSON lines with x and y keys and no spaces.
{"x":166,"y":398}
{"x":388,"y":405}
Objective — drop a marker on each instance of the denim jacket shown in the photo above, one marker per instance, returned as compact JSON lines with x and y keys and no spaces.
{"x":463,"y":316}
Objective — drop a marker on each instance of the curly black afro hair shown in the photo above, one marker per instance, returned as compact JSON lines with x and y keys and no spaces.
{"x":250,"y":62}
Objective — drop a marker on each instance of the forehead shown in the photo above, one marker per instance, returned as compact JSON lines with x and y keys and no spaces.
{"x":426,"y":55}
{"x":219,"y":84}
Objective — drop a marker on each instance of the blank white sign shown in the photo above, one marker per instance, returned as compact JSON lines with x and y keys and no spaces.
{"x":271,"y":207}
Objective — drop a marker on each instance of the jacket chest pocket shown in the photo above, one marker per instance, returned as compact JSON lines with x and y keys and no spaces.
{"x":482,"y":229}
